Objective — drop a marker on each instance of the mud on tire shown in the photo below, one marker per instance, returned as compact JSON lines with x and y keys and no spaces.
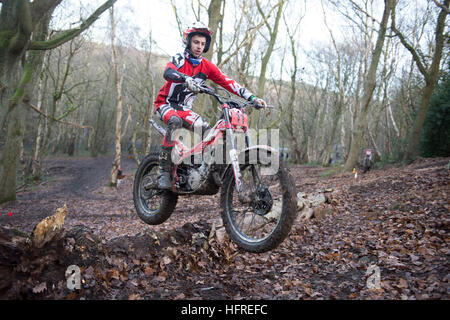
{"x":153,"y":206}
{"x":282,"y":189}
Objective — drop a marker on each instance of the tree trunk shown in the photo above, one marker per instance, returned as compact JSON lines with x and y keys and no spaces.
{"x":36,"y":164}
{"x":133,"y":146}
{"x":273,"y":32}
{"x":19,"y":19}
{"x":330,"y":143}
{"x":369,"y":87}
{"x":11,"y":152}
{"x":118,"y":84}
{"x":414,"y":137}
{"x":431,"y":76}
{"x":16,"y":114}
{"x":215,"y":19}
{"x":268,"y":53}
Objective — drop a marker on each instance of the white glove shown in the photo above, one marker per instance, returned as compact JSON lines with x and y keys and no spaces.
{"x":192,"y":85}
{"x":259,"y":103}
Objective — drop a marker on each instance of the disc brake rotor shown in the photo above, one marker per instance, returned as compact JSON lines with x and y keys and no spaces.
{"x":262,"y":201}
{"x":148,"y":184}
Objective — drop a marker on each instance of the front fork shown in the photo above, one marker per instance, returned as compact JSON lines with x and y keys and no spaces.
{"x":235,"y":160}
{"x":233,"y":153}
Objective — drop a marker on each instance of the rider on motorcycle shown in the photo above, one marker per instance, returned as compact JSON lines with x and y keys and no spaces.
{"x":174,"y":101}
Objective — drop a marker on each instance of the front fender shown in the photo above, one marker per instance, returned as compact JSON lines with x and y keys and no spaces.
{"x":261,"y":147}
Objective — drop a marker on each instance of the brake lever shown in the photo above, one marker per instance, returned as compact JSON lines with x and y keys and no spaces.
{"x":266,"y":107}
{"x":269,"y":111}
{"x":206,"y":89}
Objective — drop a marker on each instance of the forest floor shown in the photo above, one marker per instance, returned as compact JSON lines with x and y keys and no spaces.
{"x":391,"y":222}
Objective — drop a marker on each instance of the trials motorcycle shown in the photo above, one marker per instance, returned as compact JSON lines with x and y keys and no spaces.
{"x":257,"y":193}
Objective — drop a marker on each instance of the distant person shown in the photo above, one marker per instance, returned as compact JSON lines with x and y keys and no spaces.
{"x":174,"y":101}
{"x":120,"y":174}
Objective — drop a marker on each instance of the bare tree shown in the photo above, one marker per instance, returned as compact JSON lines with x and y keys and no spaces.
{"x":369,"y":87}
{"x":291,"y":106}
{"x":118,"y":80}
{"x":430,"y":72}
{"x":340,"y":103}
{"x":58,"y":78}
{"x":215,"y":18}
{"x":273,"y":32}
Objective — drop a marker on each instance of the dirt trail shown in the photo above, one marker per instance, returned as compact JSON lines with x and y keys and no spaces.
{"x":76,"y":177}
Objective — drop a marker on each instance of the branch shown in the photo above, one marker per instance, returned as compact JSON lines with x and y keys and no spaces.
{"x":57,"y":119}
{"x":177,"y":18}
{"x":439,"y":43}
{"x":24,"y":27}
{"x":408,"y":46}
{"x":71,"y":33}
{"x":442,"y":6}
{"x":368,"y":15}
{"x":264,"y":16}
{"x":356,"y":8}
{"x":249,"y":33}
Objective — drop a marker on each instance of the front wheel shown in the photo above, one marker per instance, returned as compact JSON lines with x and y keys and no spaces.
{"x":261,"y":217}
{"x":153,"y":206}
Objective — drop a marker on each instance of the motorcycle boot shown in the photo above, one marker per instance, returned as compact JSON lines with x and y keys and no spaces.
{"x":165,"y":157}
{"x":165,"y":163}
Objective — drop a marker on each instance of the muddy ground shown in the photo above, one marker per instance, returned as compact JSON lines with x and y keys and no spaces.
{"x":392,"y":220}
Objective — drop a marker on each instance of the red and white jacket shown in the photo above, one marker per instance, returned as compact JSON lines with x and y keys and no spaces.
{"x":174,"y":94}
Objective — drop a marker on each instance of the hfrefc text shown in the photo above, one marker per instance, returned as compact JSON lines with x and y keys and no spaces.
{"x":240,"y":309}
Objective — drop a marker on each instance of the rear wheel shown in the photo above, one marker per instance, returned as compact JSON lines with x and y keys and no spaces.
{"x":261,"y":217}
{"x":153,"y":206}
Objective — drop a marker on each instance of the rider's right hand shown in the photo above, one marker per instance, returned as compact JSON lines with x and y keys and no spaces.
{"x":192,"y":85}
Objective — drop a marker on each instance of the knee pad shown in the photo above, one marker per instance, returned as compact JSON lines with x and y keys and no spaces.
{"x":174,"y":122}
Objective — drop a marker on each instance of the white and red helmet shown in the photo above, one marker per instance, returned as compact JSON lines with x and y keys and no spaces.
{"x":197,"y":28}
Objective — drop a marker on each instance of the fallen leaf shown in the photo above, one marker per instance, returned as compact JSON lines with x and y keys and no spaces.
{"x":40,"y":287}
{"x":402,"y":283}
{"x":181,"y":296}
{"x":113,"y":274}
{"x":166,"y":260}
{"x":149,"y":271}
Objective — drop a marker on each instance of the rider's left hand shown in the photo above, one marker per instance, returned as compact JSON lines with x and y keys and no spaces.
{"x":259,"y":103}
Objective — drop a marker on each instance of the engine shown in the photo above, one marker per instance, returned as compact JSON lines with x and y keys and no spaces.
{"x":196,"y":178}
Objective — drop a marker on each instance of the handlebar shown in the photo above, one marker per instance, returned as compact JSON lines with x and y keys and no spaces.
{"x":209,"y":90}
